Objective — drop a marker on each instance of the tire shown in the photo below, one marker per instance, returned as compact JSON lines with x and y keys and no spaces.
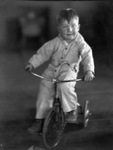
{"x":53,"y":128}
{"x":86,"y":114}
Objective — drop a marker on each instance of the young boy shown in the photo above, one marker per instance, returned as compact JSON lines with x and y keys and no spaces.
{"x":66,"y":51}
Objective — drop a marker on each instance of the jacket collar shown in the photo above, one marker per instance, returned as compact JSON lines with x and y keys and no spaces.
{"x":74,"y":40}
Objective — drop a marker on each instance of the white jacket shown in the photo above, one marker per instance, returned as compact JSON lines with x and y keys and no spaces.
{"x":60,"y":52}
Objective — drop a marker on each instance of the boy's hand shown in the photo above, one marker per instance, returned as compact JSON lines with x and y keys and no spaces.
{"x":29,"y":67}
{"x":89,"y":76}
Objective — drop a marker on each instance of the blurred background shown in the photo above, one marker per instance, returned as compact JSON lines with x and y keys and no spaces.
{"x":24,"y":27}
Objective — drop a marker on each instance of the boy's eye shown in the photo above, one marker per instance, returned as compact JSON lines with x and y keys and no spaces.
{"x":64,"y":27}
{"x":73,"y":26}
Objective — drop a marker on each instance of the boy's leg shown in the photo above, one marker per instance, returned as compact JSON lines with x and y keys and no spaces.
{"x":43,"y":105}
{"x":68,"y":96}
{"x":45,"y":99}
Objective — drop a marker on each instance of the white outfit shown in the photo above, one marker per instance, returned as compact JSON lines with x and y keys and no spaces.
{"x":65,"y":60}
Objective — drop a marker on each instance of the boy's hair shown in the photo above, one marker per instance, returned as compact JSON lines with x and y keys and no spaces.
{"x":67,"y":14}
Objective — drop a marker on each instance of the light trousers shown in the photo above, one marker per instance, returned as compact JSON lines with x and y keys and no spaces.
{"x":66,"y":93}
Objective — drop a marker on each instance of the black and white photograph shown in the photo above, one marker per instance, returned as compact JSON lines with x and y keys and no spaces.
{"x":56,"y":75}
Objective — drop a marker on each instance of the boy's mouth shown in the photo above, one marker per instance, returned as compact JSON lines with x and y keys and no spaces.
{"x":70,"y":34}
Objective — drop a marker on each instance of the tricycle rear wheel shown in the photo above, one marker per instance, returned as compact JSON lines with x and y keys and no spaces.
{"x":86,"y":113}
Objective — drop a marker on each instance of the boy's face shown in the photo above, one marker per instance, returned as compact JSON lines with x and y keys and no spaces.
{"x":68,"y":30}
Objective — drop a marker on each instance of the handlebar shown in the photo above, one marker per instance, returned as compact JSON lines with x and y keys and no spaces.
{"x":37,"y":75}
{"x":55,"y":80}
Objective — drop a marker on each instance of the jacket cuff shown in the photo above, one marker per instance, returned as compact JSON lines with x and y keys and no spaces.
{"x":90,"y":71}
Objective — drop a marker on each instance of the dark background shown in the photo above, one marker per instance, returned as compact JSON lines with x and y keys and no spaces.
{"x":24,"y":27}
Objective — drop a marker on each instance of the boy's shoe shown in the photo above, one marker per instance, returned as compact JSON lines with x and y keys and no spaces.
{"x":36,"y":127}
{"x":71,"y":117}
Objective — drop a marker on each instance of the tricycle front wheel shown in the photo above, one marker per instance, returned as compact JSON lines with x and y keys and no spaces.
{"x":53,"y":128}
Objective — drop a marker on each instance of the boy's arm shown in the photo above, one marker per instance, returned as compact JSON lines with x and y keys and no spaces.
{"x":87,"y":61}
{"x":43,"y":54}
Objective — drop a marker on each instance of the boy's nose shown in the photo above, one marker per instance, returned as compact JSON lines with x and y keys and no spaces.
{"x":69,"y":28}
